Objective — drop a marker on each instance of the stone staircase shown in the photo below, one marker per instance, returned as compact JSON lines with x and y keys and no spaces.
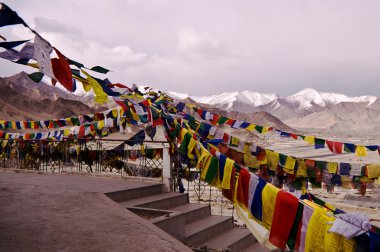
{"x":190,"y":223}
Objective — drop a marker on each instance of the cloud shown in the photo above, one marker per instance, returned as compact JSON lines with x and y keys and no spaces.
{"x":190,"y":40}
{"x":124,"y":55}
{"x":54,"y":26}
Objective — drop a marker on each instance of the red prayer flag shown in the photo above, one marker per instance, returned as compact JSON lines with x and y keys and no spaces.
{"x":338,"y":147}
{"x":200,"y":112}
{"x":81,"y":132}
{"x":120,"y":102}
{"x":243,"y":188}
{"x":330,"y":145}
{"x":225,"y":138}
{"x":230,"y":121}
{"x":61,"y":70}
{"x":215,"y":119}
{"x":51,"y":125}
{"x":294,"y":136}
{"x":285,"y":211}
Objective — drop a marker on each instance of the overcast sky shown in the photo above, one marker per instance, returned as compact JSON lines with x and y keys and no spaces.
{"x":207,"y":47}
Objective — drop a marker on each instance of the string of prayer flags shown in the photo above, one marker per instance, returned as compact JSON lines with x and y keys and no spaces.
{"x":260,"y":158}
{"x":335,"y":147}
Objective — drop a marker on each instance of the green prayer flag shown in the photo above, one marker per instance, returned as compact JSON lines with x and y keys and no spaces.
{"x":36,"y":77}
{"x":222,"y":120}
{"x":212,"y":171}
{"x":259,"y":128}
{"x":321,"y":165}
{"x":100,"y":69}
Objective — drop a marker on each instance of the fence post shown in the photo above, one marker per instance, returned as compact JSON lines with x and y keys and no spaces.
{"x":167,"y":168}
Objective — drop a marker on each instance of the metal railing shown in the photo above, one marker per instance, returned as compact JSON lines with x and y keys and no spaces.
{"x":98,"y":156}
{"x":188,"y":179}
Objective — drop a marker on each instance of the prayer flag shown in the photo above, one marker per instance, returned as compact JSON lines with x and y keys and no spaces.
{"x":9,"y":17}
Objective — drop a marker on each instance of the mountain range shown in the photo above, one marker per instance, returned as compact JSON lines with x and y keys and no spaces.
{"x":306,"y":109}
{"x":23,"y":99}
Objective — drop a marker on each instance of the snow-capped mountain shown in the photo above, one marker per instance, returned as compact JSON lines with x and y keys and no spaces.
{"x":307,"y":108}
{"x":304,"y":99}
{"x":308,"y":97}
{"x":242,"y":101}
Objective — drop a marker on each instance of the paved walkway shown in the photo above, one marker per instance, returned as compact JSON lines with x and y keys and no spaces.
{"x":56,"y":212}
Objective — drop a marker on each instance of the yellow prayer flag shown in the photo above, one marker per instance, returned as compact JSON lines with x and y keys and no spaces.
{"x":269,"y":195}
{"x":66,"y":132}
{"x":265,"y":130}
{"x":251,"y":127}
{"x":114,"y":113}
{"x":332,"y":167}
{"x":68,"y":122}
{"x":206,"y":165}
{"x":310,"y":139}
{"x":234,"y":141}
{"x":190,"y":148}
{"x":302,"y":168}
{"x":100,"y":95}
{"x":247,"y":148}
{"x":373,"y":170}
{"x":251,"y":161}
{"x":34,"y":65}
{"x":227,"y":173}
{"x":334,"y":242}
{"x":135,"y":116}
{"x":101,"y":124}
{"x":273,"y":158}
{"x":289,"y":165}
{"x":361,"y":151}
{"x":183,"y":133}
{"x":201,"y":159}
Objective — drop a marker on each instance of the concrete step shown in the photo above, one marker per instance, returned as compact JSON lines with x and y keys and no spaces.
{"x":192,"y":211}
{"x":158,"y":201}
{"x":134,"y":193}
{"x":204,"y":229}
{"x":257,"y":247}
{"x":236,"y":239}
{"x":175,"y":222}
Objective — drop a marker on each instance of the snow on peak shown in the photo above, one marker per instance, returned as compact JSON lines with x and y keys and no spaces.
{"x":308,"y":96}
{"x":244,"y":101}
{"x":177,"y":95}
{"x":227,"y":100}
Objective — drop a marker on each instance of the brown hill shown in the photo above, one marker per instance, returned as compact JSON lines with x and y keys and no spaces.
{"x":20,"y":101}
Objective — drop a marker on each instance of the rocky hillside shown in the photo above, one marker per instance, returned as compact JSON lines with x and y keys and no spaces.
{"x":23,"y":99}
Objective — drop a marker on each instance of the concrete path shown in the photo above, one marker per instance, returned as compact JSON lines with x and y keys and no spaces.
{"x":55,"y":212}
